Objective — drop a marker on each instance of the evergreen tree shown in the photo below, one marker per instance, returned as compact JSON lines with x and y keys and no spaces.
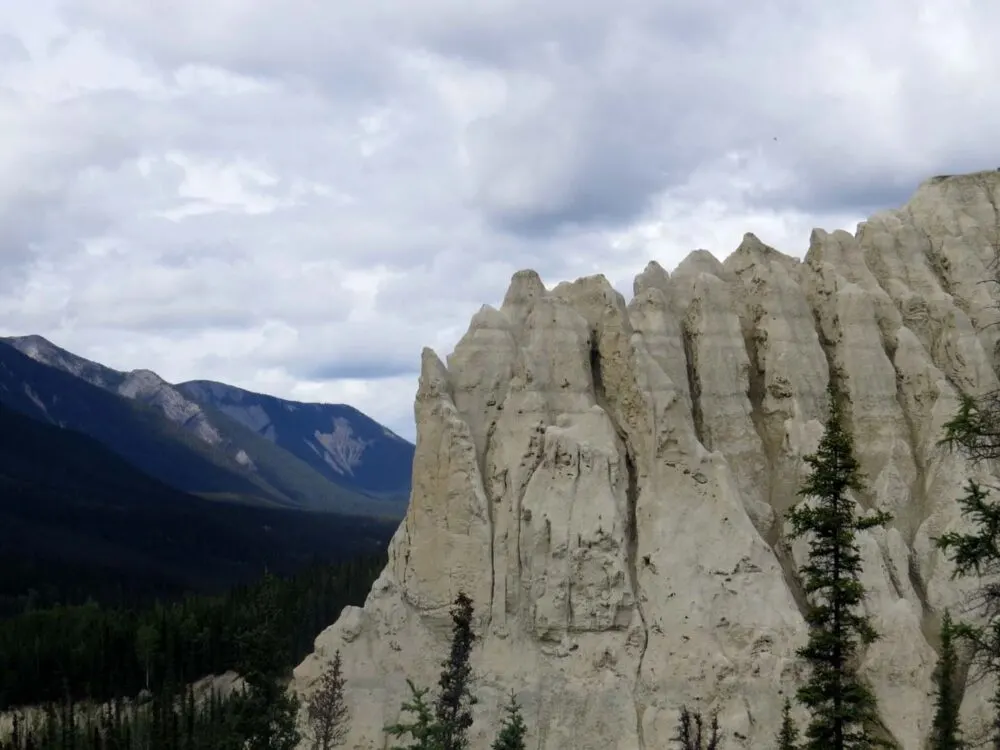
{"x":691,"y":731}
{"x":945,"y":733}
{"x":423,"y":729}
{"x":843,"y":707}
{"x":513,"y":729}
{"x":788,"y":735}
{"x":453,"y":712}
{"x":977,"y":553}
{"x":266,"y":711}
{"x":326,"y":709}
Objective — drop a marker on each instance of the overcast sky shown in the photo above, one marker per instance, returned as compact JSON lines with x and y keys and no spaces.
{"x":296,"y":196}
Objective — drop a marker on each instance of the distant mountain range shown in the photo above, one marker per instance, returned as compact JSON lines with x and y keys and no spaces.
{"x":212,"y":439}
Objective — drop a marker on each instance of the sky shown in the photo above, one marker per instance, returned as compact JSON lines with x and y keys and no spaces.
{"x":295,"y":197}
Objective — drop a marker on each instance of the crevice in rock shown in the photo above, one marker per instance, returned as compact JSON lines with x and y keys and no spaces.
{"x":783,"y":552}
{"x":536,"y":448}
{"x":694,"y":385}
{"x":631,"y":522}
{"x":755,"y":394}
{"x":918,"y":493}
{"x":930,"y":624}
{"x":918,"y":489}
{"x":484,"y":463}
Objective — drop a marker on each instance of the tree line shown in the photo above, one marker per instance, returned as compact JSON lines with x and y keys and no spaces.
{"x":99,"y":653}
{"x":257,"y":715}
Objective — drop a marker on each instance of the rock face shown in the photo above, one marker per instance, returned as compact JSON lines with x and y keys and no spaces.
{"x":608,"y":482}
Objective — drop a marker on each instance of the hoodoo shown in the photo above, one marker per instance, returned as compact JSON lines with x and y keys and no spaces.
{"x":608,"y":481}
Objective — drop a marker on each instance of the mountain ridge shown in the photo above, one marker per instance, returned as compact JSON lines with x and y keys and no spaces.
{"x":280,"y":473}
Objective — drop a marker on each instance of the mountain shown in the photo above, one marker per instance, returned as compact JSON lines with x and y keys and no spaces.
{"x":607,"y":480}
{"x":78,"y":517}
{"x":345,"y":446}
{"x":136,"y":432}
{"x":257,"y":467}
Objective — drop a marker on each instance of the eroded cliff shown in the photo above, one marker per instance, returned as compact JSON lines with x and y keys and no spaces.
{"x":608,"y":482}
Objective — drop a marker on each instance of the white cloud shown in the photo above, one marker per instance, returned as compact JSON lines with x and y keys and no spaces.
{"x":296,"y":197}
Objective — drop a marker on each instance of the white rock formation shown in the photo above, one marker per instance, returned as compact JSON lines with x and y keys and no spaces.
{"x":608,"y":482}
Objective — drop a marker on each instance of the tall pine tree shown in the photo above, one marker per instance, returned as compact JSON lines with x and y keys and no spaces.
{"x":945,"y":734}
{"x":788,"y":735}
{"x":446,"y":726}
{"x":977,"y":553}
{"x":453,"y":711}
{"x":265,"y":710}
{"x":843,"y":708}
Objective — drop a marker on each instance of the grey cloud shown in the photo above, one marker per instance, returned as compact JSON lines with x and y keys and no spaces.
{"x":352,"y":368}
{"x":575,"y":122}
{"x":12,"y":50}
{"x":607,"y":106}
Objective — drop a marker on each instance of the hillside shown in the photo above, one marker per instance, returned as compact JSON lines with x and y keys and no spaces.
{"x":347,"y":447}
{"x":76,"y":517}
{"x":311,"y":466}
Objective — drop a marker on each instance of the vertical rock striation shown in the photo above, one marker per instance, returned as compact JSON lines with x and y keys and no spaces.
{"x":608,"y":481}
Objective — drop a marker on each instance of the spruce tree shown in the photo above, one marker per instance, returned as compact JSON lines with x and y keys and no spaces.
{"x":945,"y":733}
{"x":445,"y":727}
{"x":326,"y":710}
{"x":977,"y":553}
{"x":423,"y":729}
{"x":843,"y":707}
{"x":453,"y":712}
{"x":513,"y":729}
{"x":265,"y":712}
{"x":788,"y":735}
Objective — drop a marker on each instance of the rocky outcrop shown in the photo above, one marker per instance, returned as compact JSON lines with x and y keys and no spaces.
{"x":608,"y":481}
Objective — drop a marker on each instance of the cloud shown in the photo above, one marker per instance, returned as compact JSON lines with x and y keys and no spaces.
{"x":296,"y":197}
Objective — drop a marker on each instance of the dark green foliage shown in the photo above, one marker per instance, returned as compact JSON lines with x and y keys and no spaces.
{"x":101,"y":653}
{"x":691,"y":731}
{"x":513,"y":730}
{"x":977,"y":553}
{"x":975,"y":431}
{"x":272,"y":624}
{"x":423,"y":728}
{"x":326,"y":710}
{"x":265,"y":711}
{"x":79,"y":521}
{"x":453,"y":712}
{"x":975,"y":428}
{"x":843,"y":707}
{"x":171,"y":721}
{"x":945,"y":733}
{"x":788,"y":735}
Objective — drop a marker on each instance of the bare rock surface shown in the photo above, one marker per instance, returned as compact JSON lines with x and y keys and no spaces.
{"x":608,"y":481}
